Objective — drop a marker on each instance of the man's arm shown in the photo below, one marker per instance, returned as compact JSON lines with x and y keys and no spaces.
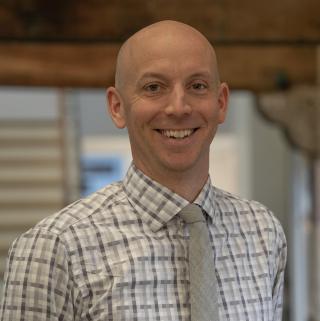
{"x":37,"y":283}
{"x":280,"y":258}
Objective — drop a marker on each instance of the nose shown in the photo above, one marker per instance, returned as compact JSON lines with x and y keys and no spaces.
{"x":177,"y":103}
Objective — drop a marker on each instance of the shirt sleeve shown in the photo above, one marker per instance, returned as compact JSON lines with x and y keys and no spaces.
{"x":37,"y":285}
{"x":279,"y":264}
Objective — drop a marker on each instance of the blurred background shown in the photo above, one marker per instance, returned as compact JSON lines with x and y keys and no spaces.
{"x":57,"y":142}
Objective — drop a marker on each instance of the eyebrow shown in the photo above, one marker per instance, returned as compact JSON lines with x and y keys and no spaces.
{"x":201,"y":74}
{"x":162,"y":76}
{"x":152,"y":75}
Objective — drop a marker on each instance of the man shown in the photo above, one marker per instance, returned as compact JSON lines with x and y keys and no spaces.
{"x":122,"y":253}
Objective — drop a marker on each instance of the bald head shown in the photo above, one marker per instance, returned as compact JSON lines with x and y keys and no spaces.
{"x":166,"y":36}
{"x":169,"y":98}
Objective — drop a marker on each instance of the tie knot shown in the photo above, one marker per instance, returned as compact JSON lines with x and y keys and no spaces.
{"x":192,"y":213}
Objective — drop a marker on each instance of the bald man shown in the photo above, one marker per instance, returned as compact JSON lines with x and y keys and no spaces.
{"x":122,"y":253}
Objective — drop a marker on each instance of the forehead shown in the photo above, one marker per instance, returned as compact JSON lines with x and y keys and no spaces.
{"x":168,"y":53}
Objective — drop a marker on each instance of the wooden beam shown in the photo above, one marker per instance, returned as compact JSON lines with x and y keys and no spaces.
{"x":228,"y":20}
{"x":267,"y":68}
{"x":93,"y":65}
{"x":60,"y":65}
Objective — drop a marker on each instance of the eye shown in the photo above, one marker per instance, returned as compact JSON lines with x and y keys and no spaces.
{"x":152,"y":88}
{"x":199,"y":86}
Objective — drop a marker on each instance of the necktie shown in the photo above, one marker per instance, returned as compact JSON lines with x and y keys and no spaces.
{"x":203,"y":287}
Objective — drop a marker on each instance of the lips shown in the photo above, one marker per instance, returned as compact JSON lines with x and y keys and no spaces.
{"x":177,"y":134}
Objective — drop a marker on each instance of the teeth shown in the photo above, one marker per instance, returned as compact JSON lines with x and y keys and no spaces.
{"x":177,"y":133}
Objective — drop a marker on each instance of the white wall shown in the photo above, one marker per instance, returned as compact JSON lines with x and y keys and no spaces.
{"x":28,"y":103}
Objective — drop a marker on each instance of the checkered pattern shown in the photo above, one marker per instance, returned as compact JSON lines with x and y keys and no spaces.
{"x":121,"y":254}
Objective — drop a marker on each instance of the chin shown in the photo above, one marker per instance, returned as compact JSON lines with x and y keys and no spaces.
{"x":191,"y":163}
{"x":180,"y":166}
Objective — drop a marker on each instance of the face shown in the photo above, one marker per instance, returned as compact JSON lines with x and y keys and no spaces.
{"x":170,"y":102}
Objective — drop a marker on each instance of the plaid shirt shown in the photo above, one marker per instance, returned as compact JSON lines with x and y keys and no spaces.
{"x":121,"y":254}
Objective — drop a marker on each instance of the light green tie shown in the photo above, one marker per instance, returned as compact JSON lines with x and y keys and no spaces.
{"x":203,"y":284}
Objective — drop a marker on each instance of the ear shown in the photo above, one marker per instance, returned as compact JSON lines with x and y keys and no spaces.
{"x":116,"y":107}
{"x":223,"y":98}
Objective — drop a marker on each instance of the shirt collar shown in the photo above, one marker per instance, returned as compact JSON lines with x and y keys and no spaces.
{"x":206,"y":198}
{"x":155,"y":203}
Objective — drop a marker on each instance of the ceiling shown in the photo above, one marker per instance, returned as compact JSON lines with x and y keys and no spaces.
{"x":261,"y":46}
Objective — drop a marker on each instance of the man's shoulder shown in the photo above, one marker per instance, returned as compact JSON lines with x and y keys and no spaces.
{"x":244,"y":210}
{"x":91,"y":208}
{"x":72,"y":228}
{"x":229,"y":201}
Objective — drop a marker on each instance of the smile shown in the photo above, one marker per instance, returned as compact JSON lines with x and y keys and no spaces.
{"x":177,"y":134}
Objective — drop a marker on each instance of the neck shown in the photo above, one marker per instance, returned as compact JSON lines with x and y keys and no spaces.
{"x":187,"y":184}
{"x":189,"y":189}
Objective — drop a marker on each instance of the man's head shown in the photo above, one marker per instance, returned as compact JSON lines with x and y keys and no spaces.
{"x":164,"y":29}
{"x":168,"y":94}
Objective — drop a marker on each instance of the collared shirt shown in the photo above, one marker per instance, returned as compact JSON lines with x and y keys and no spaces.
{"x":121,"y":254}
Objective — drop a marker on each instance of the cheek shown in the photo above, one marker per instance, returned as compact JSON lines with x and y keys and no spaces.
{"x":137,"y":119}
{"x":211,"y":113}
{"x":144,"y":112}
{"x":134,"y":100}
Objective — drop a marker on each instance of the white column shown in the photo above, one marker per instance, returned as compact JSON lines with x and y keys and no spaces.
{"x":299,"y":228}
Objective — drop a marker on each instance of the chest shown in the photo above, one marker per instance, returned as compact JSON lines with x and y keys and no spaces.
{"x":135,"y":274}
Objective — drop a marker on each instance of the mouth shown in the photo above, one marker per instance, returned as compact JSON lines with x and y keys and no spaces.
{"x":177,"y":134}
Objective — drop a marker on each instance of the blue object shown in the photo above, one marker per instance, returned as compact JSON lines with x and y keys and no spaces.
{"x":98,"y":171}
